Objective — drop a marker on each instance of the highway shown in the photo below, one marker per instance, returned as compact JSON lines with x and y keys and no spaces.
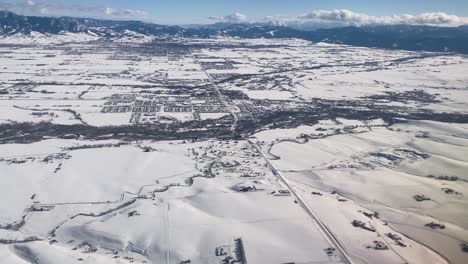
{"x":220,"y":96}
{"x":323,"y":229}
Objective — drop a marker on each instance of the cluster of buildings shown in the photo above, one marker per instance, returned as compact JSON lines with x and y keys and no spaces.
{"x":223,"y":65}
{"x":155,"y":103}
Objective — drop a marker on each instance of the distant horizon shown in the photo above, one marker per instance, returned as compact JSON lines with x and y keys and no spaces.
{"x":234,"y":131}
{"x":185,"y":12}
{"x":213,"y":22}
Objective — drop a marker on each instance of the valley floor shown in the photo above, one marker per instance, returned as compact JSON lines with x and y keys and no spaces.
{"x":230,"y":151}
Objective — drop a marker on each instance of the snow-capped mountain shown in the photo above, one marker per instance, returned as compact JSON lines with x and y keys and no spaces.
{"x":453,"y":39}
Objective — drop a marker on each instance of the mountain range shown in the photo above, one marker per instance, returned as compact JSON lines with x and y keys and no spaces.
{"x":406,"y":37}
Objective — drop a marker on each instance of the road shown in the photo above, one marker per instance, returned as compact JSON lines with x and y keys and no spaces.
{"x":323,"y":229}
{"x":220,"y":96}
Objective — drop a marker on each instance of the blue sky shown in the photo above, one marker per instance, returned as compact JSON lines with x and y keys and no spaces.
{"x":198,"y":11}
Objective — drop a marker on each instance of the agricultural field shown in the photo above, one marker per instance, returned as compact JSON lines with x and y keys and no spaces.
{"x":230,"y":150}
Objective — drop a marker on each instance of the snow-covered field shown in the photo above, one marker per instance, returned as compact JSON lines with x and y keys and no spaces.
{"x":310,"y":153}
{"x":382,"y":170}
{"x":52,"y":76}
{"x":155,"y":201}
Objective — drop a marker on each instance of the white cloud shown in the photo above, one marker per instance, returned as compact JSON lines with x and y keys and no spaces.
{"x":343,"y":17}
{"x":108,"y":11}
{"x":232,"y":18}
{"x":124,"y":13}
{"x":37,"y":7}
